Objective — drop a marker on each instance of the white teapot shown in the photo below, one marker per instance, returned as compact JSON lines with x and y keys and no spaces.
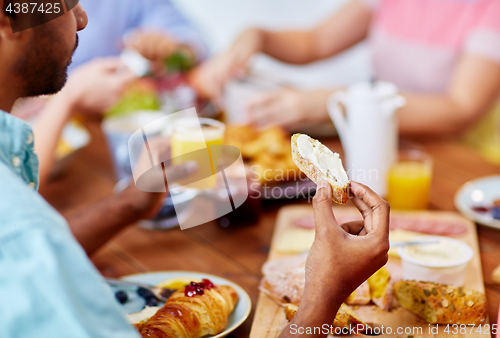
{"x":368,"y":130}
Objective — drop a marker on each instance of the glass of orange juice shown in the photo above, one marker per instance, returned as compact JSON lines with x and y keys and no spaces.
{"x":409,"y":181}
{"x":192,"y":139}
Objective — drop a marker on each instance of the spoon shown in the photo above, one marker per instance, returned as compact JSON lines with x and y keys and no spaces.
{"x":421,"y":242}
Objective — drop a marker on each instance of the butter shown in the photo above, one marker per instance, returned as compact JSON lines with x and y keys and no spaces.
{"x":328,"y":162}
{"x":142,"y":316}
{"x":443,"y":252}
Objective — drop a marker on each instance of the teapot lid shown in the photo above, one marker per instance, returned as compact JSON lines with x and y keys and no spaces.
{"x":373,"y":91}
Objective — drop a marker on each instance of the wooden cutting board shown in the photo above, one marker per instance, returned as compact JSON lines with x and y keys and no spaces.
{"x":270,"y":319}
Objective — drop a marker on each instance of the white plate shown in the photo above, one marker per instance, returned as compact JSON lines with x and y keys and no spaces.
{"x":480,"y":192}
{"x":240,"y":313}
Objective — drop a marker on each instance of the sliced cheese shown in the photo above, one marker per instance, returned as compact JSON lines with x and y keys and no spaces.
{"x":295,"y":241}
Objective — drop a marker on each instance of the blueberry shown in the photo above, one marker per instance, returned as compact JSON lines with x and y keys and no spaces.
{"x":166,"y":293}
{"x":121,"y":297}
{"x":145,"y":293}
{"x":151,"y":301}
{"x":496,"y":212}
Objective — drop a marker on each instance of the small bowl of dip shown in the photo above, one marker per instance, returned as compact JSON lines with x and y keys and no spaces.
{"x":442,"y":261}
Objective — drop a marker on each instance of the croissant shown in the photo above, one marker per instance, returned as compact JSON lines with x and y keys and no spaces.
{"x":194,"y":311}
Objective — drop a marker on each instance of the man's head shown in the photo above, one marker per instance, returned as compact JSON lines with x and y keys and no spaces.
{"x":38,"y":58}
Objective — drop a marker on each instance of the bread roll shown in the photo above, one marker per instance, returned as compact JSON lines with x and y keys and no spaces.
{"x":442,"y":304}
{"x":345,"y":317}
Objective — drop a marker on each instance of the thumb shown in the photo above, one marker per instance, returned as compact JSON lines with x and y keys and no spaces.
{"x":181,"y":171}
{"x":322,"y":205}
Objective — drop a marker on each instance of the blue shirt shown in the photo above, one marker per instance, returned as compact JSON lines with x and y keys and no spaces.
{"x":48,"y":286}
{"x":109,"y":20}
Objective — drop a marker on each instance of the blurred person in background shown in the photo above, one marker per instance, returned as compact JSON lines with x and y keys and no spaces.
{"x":443,"y":55}
{"x":98,"y":77}
{"x":154,"y":28}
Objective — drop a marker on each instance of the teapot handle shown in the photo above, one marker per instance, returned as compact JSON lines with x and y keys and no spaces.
{"x":338,"y":117}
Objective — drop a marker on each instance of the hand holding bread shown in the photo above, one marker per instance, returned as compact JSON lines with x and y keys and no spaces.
{"x":354,"y":250}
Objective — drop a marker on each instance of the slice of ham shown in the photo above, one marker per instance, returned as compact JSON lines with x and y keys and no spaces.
{"x":304,"y":222}
{"x":427,"y":226}
{"x":409,"y":223}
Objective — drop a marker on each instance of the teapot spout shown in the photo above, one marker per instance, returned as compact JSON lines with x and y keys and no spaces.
{"x":393,"y":105}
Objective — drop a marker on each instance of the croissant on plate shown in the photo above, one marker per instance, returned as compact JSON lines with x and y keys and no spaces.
{"x":197,"y":310}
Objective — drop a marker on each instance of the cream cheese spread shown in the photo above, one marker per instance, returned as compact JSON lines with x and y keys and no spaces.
{"x":328,"y":162}
{"x":443,"y":252}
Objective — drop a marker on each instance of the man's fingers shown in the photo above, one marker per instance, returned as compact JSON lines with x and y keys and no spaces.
{"x":374,"y":208}
{"x":322,"y":205}
{"x":358,"y":190}
{"x":354,"y":227}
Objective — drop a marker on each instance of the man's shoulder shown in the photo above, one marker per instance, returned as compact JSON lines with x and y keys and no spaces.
{"x":21,"y":206}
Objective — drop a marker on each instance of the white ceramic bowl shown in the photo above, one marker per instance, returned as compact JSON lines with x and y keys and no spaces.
{"x":445,"y":272}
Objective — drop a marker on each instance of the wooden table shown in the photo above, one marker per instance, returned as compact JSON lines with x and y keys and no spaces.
{"x":237,"y":253}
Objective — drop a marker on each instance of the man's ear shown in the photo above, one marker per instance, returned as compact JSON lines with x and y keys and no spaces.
{"x":5,"y":26}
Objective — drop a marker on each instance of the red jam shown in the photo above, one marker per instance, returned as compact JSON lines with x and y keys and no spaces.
{"x":481,"y":209}
{"x":208,"y":284}
{"x":198,"y":289}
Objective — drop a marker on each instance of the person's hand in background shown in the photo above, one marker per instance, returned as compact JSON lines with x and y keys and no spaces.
{"x":91,"y":89}
{"x":96,"y":86}
{"x":158,"y":47}
{"x":288,"y":107}
{"x":154,"y":46}
{"x":342,"y":256}
{"x":233,"y":63}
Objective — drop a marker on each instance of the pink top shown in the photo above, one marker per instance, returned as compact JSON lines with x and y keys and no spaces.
{"x":416,"y":44}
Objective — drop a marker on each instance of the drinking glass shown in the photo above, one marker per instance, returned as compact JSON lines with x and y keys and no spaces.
{"x":409,"y":181}
{"x":192,"y":139}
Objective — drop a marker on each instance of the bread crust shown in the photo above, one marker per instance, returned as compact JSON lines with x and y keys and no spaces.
{"x":442,"y":304}
{"x":345,"y":317}
{"x":340,"y":194}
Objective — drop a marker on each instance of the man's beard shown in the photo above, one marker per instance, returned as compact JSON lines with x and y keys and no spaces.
{"x":41,"y":70}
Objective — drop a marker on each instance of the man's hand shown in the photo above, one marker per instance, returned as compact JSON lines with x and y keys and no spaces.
{"x":94,"y":226}
{"x":154,"y":46}
{"x":146,"y":194}
{"x":146,"y":205}
{"x":344,"y":256}
{"x":289,"y":108}
{"x":97,"y":85}
{"x":212,"y":76}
